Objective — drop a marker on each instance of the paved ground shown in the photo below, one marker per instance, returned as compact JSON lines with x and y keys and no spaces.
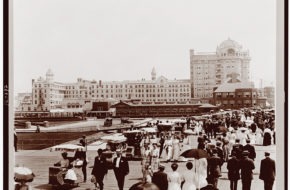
{"x":40,"y":160}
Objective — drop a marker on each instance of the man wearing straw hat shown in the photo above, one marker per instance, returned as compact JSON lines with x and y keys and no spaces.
{"x":121,"y":168}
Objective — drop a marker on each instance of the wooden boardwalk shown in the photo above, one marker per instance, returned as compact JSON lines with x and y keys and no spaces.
{"x":40,"y":160}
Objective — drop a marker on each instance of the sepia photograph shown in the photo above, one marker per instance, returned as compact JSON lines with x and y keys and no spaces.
{"x":145,"y":95}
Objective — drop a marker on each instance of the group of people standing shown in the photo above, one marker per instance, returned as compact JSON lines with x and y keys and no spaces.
{"x":74,"y":169}
{"x":100,"y":169}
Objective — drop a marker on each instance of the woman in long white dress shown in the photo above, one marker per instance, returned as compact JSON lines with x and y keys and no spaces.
{"x":145,"y":162}
{"x":232,"y":140}
{"x":259,"y":136}
{"x":176,"y":148}
{"x":186,"y":143}
{"x":189,"y":178}
{"x":155,"y":158}
{"x":174,"y":178}
{"x":243,"y":137}
{"x":201,"y":172}
{"x":168,"y":148}
{"x":252,"y":137}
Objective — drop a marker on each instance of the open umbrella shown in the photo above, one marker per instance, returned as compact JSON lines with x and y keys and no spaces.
{"x":195,"y":153}
{"x":68,"y":148}
{"x":114,"y":138}
{"x":23,"y":174}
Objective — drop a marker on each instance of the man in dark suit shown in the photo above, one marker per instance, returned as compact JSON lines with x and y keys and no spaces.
{"x":268,"y":171}
{"x":100,"y":169}
{"x":237,"y":149}
{"x":247,"y":165}
{"x":251,"y":149}
{"x":220,"y":151}
{"x":121,"y":168}
{"x":160,"y":178}
{"x":214,"y":169}
{"x":233,"y":167}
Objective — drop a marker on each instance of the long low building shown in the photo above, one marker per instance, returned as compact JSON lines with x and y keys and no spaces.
{"x":125,"y":109}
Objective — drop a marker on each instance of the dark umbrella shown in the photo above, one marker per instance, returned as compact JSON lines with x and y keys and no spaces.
{"x":195,"y":153}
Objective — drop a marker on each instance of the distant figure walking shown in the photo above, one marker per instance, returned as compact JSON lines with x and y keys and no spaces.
{"x":100,"y":169}
{"x":214,"y":169}
{"x":233,"y":167}
{"x":83,"y":141}
{"x":247,"y":167}
{"x":268,"y":171}
{"x":82,"y":155}
{"x":121,"y":168}
{"x":37,"y":129}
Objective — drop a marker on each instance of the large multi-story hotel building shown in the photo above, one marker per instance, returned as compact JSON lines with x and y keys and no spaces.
{"x":49,"y":95}
{"x":209,"y":70}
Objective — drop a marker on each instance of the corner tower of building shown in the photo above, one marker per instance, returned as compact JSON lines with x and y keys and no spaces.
{"x":208,"y":70}
{"x":153,"y":74}
{"x":49,"y":75}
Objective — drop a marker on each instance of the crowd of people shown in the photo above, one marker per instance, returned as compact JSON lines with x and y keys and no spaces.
{"x":229,"y":141}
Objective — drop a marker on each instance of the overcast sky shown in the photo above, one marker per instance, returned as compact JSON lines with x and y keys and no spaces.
{"x":124,"y":39}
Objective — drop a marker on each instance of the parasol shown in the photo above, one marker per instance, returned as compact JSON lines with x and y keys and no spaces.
{"x":115,"y":138}
{"x":195,"y":153}
{"x":149,"y":130}
{"x":23,"y":174}
{"x":133,"y":131}
{"x":67,"y":147}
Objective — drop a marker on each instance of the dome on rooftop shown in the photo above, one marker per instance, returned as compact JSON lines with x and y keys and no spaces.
{"x":49,"y":72}
{"x":229,"y":43}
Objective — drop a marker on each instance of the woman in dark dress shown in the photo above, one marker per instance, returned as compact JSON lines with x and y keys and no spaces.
{"x":267,"y":137}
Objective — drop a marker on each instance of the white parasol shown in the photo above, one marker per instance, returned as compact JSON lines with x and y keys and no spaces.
{"x":133,"y":131}
{"x":67,"y":147}
{"x":115,"y":138}
{"x":23,"y":174}
{"x":149,"y":130}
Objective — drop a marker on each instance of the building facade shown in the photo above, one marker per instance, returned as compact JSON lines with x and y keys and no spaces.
{"x":49,"y":95}
{"x":269,"y":93}
{"x":125,"y":109}
{"x":235,"y":94}
{"x":209,"y":70}
{"x":23,"y":102}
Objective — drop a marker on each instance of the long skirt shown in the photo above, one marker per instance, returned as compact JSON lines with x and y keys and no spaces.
{"x":267,"y":139}
{"x":169,"y":152}
{"x":155,"y":164}
{"x":176,"y":152}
